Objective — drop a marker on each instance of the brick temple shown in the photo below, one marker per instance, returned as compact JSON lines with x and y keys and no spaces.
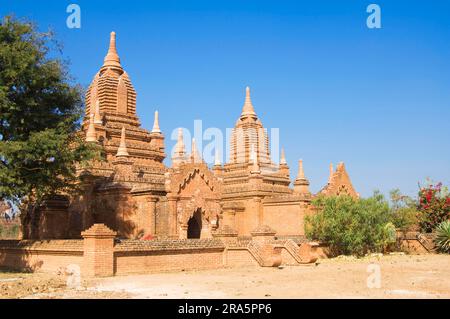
{"x":135,"y":194}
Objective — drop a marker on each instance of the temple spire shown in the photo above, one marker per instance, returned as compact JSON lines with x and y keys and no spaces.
{"x":156,"y":128}
{"x":248,"y":109}
{"x":195,"y":155}
{"x":112,"y":58}
{"x":91,"y":135}
{"x":180,"y":148}
{"x":122,"y":151}
{"x":301,"y":173}
{"x":97,"y":117}
{"x":283,"y":157}
{"x":331,"y":173}
{"x":301,"y":183}
{"x":283,"y":166}
{"x":217,"y":161}
{"x":179,"y":155}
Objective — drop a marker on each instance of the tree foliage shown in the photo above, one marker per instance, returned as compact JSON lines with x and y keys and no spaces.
{"x":404,"y":212}
{"x":40,"y":109}
{"x":351,"y":226}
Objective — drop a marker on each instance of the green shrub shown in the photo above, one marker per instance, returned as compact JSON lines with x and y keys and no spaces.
{"x":443,"y":237}
{"x":404,"y":213}
{"x":9,"y":232}
{"x":351,"y":226}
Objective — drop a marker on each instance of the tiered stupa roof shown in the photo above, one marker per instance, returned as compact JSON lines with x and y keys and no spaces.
{"x":250,"y":158}
{"x":111,"y":99}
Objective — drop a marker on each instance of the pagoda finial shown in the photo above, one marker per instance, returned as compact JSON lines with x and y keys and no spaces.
{"x":91,"y":136}
{"x":217,"y":161}
{"x":283,"y":157}
{"x":301,"y":173}
{"x":122,"y":151}
{"x":331,"y":173}
{"x":156,"y":128}
{"x":97,"y":117}
{"x":179,"y":155}
{"x":112,"y":58}
{"x":195,"y":155}
{"x":180,"y":143}
{"x":301,"y":183}
{"x":248,"y":109}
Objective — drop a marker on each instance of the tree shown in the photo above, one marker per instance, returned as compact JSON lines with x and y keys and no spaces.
{"x":40,"y":109}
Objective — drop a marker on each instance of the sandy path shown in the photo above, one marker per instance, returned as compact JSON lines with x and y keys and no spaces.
{"x":401,"y":277}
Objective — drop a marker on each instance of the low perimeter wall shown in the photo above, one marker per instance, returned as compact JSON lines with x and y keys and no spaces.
{"x":47,"y":256}
{"x":133,"y":256}
{"x":127,"y":257}
{"x":99,"y":253}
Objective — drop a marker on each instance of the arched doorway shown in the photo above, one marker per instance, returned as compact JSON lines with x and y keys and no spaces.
{"x":195,"y":225}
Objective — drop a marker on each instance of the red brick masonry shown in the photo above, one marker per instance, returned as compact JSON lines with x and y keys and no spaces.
{"x":99,"y":253}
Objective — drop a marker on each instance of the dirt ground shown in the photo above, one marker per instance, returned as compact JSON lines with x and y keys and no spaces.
{"x":401,"y":276}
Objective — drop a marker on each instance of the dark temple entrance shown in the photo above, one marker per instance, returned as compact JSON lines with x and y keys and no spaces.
{"x":195,"y":225}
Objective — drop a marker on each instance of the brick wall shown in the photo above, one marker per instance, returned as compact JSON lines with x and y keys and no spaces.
{"x":286,"y":218}
{"x":287,"y":258}
{"x":132,"y":256}
{"x":162,"y":218}
{"x":100,"y":254}
{"x":98,"y":248}
{"x":45,"y":256}
{"x":239,"y":257}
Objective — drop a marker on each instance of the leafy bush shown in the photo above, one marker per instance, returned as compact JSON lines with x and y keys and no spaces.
{"x":9,"y":232}
{"x":443,"y":237}
{"x":404,"y":213}
{"x":434,"y":206}
{"x":351,"y":226}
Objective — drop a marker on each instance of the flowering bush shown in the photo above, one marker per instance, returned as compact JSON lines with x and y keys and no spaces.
{"x":434,"y":206}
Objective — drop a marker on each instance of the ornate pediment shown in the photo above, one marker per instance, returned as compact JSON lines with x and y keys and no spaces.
{"x":191,"y":177}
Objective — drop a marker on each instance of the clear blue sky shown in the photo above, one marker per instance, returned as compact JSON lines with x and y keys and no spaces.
{"x":379,"y":100}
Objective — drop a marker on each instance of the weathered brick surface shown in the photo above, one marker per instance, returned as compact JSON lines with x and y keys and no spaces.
{"x":287,"y":258}
{"x":240,"y":257}
{"x":161,"y":261}
{"x":133,"y":256}
{"x":75,"y":245}
{"x":45,"y":256}
{"x":98,"y":248}
{"x":168,"y":245}
{"x":99,"y":254}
